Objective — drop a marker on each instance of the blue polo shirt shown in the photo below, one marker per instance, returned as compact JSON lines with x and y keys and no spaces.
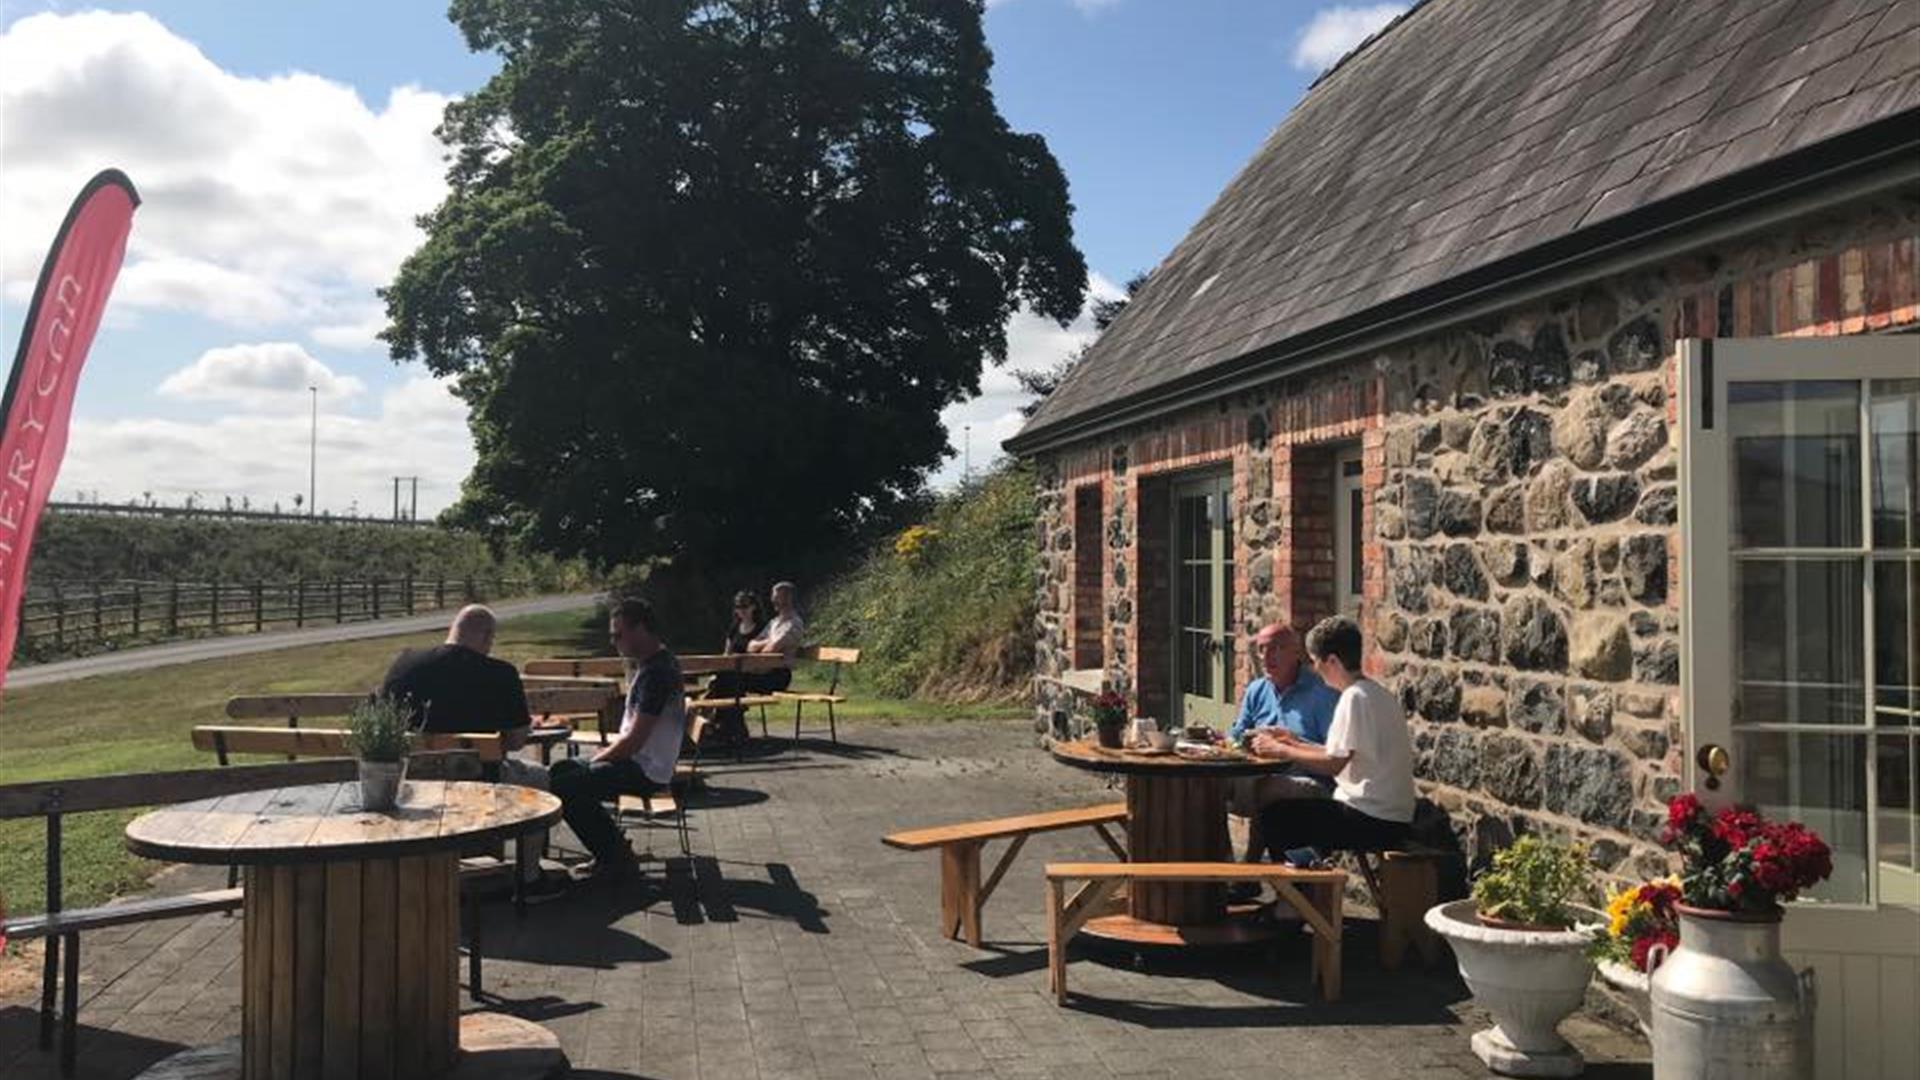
{"x":1304,"y":708}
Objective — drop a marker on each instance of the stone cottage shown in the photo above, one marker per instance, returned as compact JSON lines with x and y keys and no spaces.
{"x":1568,"y":346}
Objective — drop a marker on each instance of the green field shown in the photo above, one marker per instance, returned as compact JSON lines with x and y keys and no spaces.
{"x":139,"y":722}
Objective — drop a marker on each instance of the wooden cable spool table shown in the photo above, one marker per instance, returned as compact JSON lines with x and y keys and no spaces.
{"x":350,"y":954}
{"x":1176,"y":813}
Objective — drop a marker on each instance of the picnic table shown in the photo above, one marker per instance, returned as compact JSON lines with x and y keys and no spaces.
{"x":1177,"y":813}
{"x":350,"y":919}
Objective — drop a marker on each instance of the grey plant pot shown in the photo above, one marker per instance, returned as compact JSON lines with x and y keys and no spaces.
{"x":380,"y":784}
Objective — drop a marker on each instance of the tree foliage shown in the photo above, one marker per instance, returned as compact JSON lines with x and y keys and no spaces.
{"x":708,"y":272}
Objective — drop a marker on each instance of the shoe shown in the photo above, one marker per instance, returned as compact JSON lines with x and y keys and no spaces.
{"x":618,"y":868}
{"x":1243,"y":892}
{"x":547,"y":887}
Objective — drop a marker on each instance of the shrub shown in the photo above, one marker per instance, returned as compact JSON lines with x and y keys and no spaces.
{"x":945,"y":608}
{"x":1533,"y":882}
{"x":378,"y":729}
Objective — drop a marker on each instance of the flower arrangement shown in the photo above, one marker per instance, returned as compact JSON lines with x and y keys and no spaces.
{"x":1639,"y":918}
{"x":1110,"y":707}
{"x":1533,"y":883}
{"x":1738,"y":861}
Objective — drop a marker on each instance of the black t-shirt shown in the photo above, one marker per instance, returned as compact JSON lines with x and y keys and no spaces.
{"x":455,"y":689}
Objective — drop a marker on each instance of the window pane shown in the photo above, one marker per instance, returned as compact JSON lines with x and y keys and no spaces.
{"x":1798,"y":657}
{"x":1820,"y":781}
{"x":1897,"y":776}
{"x":1796,"y":463}
{"x":1355,"y":506}
{"x":1894,"y":413}
{"x":1896,"y":642}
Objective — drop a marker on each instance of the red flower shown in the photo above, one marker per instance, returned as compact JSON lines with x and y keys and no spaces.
{"x":1682,"y":811}
{"x":1644,"y":945}
{"x":1735,"y":827}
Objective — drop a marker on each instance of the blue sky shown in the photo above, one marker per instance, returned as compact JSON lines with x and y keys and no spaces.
{"x":235,"y":299}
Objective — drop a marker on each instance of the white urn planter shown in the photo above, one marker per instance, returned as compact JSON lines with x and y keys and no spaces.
{"x":1529,"y":980}
{"x":1634,"y":987}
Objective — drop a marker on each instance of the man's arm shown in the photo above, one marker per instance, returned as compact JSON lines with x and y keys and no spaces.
{"x":629,"y":744}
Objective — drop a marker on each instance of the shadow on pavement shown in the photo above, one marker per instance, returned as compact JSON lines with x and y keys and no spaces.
{"x":700,"y":893}
{"x":102,"y":1053}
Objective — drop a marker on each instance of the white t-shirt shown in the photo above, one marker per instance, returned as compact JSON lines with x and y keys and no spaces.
{"x":1378,"y":780}
{"x":784,"y":632}
{"x":658,"y":690}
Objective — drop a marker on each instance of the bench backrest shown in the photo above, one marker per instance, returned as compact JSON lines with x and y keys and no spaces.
{"x":713,"y":663}
{"x":837,"y":655}
{"x":570,"y":682}
{"x":325,"y":742}
{"x":577,"y":666}
{"x":541,"y":701}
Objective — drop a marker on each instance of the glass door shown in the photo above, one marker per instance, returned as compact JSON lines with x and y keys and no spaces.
{"x":1801,"y":506}
{"x":1203,"y":646}
{"x":1349,"y":505}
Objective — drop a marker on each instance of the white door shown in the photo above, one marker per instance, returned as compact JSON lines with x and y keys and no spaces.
{"x":1348,"y":505}
{"x":1800,"y":501}
{"x":1203,"y":638}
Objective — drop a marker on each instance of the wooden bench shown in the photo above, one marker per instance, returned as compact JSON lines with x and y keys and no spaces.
{"x":822,"y":654}
{"x":1317,"y":895}
{"x":577,"y":667}
{"x":596,"y":699}
{"x":1404,"y":884}
{"x":961,"y":892}
{"x":61,"y":926}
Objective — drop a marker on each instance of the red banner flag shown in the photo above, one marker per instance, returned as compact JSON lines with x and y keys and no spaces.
{"x":54,"y":338}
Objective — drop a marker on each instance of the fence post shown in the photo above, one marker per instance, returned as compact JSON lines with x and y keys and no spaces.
{"x":59,"y":618}
{"x":136,"y":609}
{"x":339,"y":601}
{"x":409,"y":587}
{"x":469,"y":590}
{"x":259,"y":606}
{"x":173,"y":607}
{"x":213,"y":605}
{"x":97,"y":632}
{"x":439,"y":592}
{"x":376,"y":598}
{"x":300,"y":602}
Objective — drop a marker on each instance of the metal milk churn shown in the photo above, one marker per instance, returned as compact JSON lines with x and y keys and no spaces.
{"x":1728,"y":1006}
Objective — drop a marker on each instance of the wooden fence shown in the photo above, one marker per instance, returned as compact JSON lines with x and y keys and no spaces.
{"x":63,"y":616}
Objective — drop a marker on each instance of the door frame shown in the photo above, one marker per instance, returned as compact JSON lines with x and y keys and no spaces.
{"x":1349,"y":524}
{"x":1212,"y":483}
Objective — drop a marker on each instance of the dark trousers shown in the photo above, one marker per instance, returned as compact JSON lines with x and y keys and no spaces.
{"x":1327,"y":825}
{"x":583,"y":787}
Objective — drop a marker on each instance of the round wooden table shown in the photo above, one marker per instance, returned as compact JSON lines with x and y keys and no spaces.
{"x":350,"y":953}
{"x":1176,"y":812}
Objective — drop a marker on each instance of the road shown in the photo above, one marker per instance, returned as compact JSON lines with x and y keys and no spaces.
{"x":186,"y":652}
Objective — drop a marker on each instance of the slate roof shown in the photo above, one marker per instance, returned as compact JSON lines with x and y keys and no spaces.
{"x":1473,"y":130}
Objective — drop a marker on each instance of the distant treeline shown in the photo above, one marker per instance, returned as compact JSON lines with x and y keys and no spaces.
{"x":91,"y":548}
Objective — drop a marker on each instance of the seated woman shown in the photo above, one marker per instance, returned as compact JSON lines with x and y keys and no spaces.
{"x":746,"y":623}
{"x":1368,"y":753}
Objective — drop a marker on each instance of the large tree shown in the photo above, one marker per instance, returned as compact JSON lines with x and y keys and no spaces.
{"x":708,"y":272}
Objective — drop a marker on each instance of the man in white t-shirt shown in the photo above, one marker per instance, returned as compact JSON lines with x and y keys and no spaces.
{"x":783,"y":632}
{"x":1368,"y":753}
{"x":642,"y":759}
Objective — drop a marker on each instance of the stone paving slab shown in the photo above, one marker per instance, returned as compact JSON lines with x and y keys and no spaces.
{"x":794,"y":945}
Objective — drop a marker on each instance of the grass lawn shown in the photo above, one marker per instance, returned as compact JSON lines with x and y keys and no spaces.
{"x":139,"y":722}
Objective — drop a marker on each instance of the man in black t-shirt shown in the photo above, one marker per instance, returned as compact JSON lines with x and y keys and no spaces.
{"x":456,"y":687}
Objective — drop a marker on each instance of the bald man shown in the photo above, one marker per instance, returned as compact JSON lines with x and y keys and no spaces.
{"x":457,"y":687}
{"x":1286,"y":697}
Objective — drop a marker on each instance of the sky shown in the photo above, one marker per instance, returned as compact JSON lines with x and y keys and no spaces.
{"x":283,"y":151}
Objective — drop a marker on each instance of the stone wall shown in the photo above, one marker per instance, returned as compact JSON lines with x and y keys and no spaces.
{"x":1522,"y":553}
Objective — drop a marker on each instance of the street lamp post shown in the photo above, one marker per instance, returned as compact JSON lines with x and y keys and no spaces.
{"x":313,"y":454}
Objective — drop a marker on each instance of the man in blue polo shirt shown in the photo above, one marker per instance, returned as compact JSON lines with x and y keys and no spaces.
{"x":1288,"y":696}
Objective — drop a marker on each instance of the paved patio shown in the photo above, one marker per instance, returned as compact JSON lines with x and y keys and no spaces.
{"x":795,"y":945}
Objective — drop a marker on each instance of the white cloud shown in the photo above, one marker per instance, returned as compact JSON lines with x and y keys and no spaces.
{"x":1335,"y":31}
{"x":269,"y":374}
{"x":1086,"y":7}
{"x":1034,"y":343}
{"x":268,"y":202}
{"x":420,"y":429}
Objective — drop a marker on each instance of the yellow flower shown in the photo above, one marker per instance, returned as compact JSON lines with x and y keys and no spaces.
{"x":1621,"y":910}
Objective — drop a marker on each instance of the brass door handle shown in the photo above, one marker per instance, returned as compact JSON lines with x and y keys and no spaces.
{"x":1713,"y":761}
